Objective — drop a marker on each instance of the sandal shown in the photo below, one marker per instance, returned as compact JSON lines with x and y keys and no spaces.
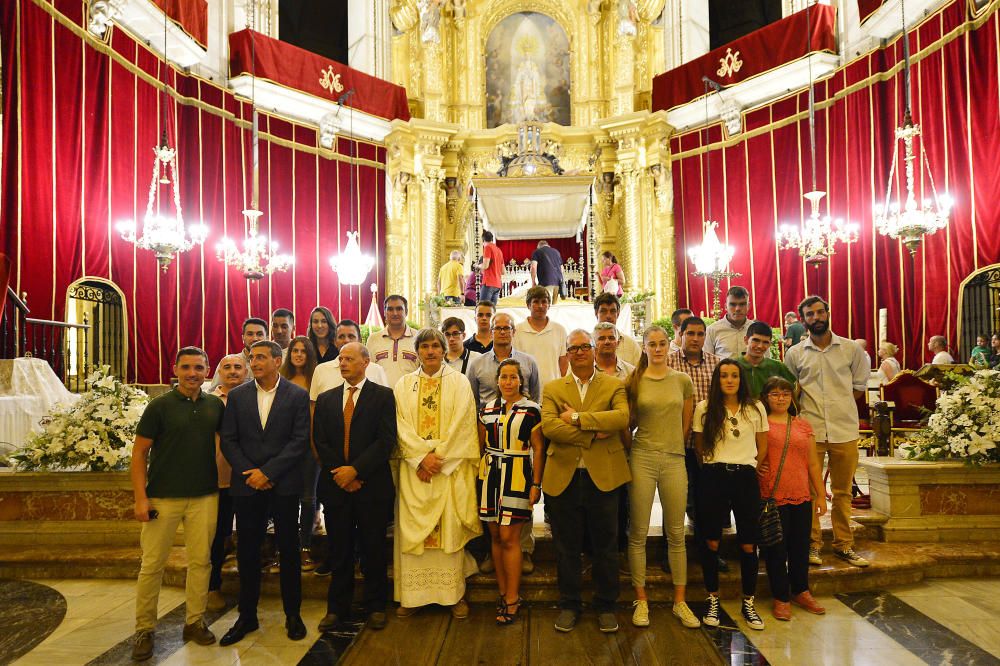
{"x":504,"y":616}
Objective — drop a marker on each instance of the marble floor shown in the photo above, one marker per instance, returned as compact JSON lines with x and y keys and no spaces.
{"x":938,"y":621}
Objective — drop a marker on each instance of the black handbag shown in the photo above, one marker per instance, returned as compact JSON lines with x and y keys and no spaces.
{"x":770,"y":520}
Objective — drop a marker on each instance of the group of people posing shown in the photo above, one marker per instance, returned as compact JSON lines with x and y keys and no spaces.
{"x":437,"y":433}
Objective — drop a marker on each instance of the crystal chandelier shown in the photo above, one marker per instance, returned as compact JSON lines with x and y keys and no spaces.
{"x":259,"y":256}
{"x":711,"y":261}
{"x":817,"y":236}
{"x":911,"y":220}
{"x":164,"y":235}
{"x":351,"y":265}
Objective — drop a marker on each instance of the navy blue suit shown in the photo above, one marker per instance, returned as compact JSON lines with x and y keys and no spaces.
{"x":277,"y":450}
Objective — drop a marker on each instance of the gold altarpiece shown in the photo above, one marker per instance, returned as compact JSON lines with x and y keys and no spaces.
{"x":438,"y":54}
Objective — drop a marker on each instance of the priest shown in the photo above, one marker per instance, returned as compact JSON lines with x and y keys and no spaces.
{"x":436,"y":497}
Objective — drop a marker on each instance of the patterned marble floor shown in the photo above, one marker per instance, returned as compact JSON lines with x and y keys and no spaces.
{"x":939,"y":621}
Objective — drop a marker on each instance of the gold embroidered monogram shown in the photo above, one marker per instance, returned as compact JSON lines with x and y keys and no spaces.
{"x":730,"y":64}
{"x":330,"y":81}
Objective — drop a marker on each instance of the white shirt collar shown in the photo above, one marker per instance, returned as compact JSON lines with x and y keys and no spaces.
{"x":360,"y":385}
{"x":261,"y":389}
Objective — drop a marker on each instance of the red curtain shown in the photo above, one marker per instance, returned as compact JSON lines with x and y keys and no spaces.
{"x":522,"y":249}
{"x":191,"y":16}
{"x":758,"y":179}
{"x":77,"y":158}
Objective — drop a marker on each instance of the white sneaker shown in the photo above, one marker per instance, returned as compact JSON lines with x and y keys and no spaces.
{"x":814,"y":558}
{"x":640,"y":616}
{"x":683,"y":613}
{"x":851,"y":557}
{"x":750,"y":614}
{"x":711,"y":616}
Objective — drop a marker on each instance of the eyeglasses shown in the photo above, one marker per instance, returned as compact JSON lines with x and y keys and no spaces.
{"x":454,"y":334}
{"x":733,"y":422}
{"x":503,"y":329}
{"x":779,"y":394}
{"x":579,"y":348}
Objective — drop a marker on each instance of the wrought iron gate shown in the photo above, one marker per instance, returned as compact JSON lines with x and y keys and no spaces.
{"x":102,"y":306}
{"x":979,"y":308}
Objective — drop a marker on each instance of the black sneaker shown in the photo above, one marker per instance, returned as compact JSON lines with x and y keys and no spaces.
{"x":750,"y":614}
{"x":711,"y":616}
{"x":322,"y":570}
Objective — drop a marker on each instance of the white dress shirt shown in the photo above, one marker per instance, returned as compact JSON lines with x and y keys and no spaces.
{"x":942,"y":358}
{"x":265,"y":398}
{"x":582,"y":385}
{"x":327,"y":376}
{"x":347,"y":393}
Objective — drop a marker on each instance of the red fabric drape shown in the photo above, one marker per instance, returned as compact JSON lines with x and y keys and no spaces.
{"x":522,"y":249}
{"x":297,"y":68}
{"x":191,"y":16}
{"x":758,"y":179}
{"x":868,"y":7}
{"x":771,"y":46}
{"x":78,"y":158}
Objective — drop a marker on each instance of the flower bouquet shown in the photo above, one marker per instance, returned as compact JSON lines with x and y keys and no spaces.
{"x":96,"y":433}
{"x":965,"y":424}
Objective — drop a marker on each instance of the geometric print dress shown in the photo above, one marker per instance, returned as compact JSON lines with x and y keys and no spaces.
{"x":505,"y":473}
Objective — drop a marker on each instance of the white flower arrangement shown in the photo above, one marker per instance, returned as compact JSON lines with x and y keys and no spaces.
{"x":966,"y":423}
{"x":96,"y":433}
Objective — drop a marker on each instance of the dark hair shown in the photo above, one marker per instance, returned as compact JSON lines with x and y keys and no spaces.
{"x":713,"y":429}
{"x":810,"y":300}
{"x":396,"y":297}
{"x":190,"y":351}
{"x":453,"y":321}
{"x":759,"y":328}
{"x":543,"y":243}
{"x":349,"y":322}
{"x":537,"y":293}
{"x":520,"y":374}
{"x":632,"y":383}
{"x":287,"y":370}
{"x":251,"y":322}
{"x":608,"y":254}
{"x":273,"y":346}
{"x":675,"y":316}
{"x":692,"y":321}
{"x":331,"y":327}
{"x":284,"y":312}
{"x":488,"y":236}
{"x":488,"y":304}
{"x":607,"y":299}
{"x":738,"y":292}
{"x":782,"y":384}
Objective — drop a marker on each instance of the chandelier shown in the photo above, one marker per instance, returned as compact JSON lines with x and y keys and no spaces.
{"x":816,"y":237}
{"x":711,"y":261}
{"x":351,"y":265}
{"x":259,"y":256}
{"x":912,"y":220}
{"x":164,"y":235}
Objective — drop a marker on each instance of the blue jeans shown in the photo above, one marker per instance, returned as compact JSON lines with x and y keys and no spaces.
{"x":491,"y":294}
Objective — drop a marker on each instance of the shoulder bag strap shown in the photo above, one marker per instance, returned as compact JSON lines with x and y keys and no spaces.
{"x":784,"y":452}
{"x":465,"y":360}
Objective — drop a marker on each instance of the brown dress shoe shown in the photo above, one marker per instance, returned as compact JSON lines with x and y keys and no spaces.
{"x":143,"y":648}
{"x":460,"y":611}
{"x":403,"y":611}
{"x":199,"y":633}
{"x":808,"y":602}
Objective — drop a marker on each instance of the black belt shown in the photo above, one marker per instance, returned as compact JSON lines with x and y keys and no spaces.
{"x":730,"y":467}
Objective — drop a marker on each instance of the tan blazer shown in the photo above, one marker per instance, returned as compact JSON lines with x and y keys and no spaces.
{"x":604,"y":410}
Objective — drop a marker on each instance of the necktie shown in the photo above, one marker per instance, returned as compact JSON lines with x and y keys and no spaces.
{"x":348,"y":414}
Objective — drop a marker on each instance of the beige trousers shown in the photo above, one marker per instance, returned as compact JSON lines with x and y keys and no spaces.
{"x":843,"y":463}
{"x":198,"y":516}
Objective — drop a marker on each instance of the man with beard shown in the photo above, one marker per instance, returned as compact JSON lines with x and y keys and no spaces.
{"x":832,"y":373}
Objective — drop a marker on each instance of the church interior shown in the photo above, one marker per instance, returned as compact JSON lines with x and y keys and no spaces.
{"x":172,"y":170}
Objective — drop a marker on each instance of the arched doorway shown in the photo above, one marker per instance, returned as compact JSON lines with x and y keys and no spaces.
{"x":100,"y":304}
{"x":978,"y":307}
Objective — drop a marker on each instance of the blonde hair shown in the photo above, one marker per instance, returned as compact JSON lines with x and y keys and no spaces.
{"x":888,"y":347}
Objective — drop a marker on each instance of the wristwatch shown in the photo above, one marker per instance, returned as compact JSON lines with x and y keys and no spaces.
{"x":575,"y":418}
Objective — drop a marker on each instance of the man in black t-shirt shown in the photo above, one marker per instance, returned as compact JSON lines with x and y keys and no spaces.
{"x":176,"y":435}
{"x":546,"y":270}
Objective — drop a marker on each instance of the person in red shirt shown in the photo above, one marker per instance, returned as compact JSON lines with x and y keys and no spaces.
{"x":492,"y":269}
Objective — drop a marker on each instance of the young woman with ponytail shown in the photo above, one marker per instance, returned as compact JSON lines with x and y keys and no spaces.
{"x":661,"y":401}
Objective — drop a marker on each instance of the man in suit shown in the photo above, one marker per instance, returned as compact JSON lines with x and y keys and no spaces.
{"x":265,"y":434}
{"x":583,"y":416}
{"x":354,"y":432}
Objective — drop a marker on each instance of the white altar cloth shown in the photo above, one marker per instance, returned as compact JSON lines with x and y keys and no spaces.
{"x":571,"y":314}
{"x":29,"y":390}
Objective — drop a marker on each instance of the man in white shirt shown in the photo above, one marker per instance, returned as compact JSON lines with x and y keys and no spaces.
{"x":832,"y":373}
{"x":607,"y":307}
{"x":541,"y":338}
{"x":392,"y":347}
{"x":726,"y":338}
{"x":938,"y":345}
{"x":327,"y":375}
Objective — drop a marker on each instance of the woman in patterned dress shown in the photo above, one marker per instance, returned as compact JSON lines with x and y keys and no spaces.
{"x":510,"y":478}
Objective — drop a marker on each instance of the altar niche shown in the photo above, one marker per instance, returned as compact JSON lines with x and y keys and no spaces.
{"x":100,"y":304}
{"x":527,"y":71}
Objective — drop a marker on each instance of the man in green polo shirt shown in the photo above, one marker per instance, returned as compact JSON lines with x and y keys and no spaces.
{"x":176,"y":438}
{"x":755,"y":361}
